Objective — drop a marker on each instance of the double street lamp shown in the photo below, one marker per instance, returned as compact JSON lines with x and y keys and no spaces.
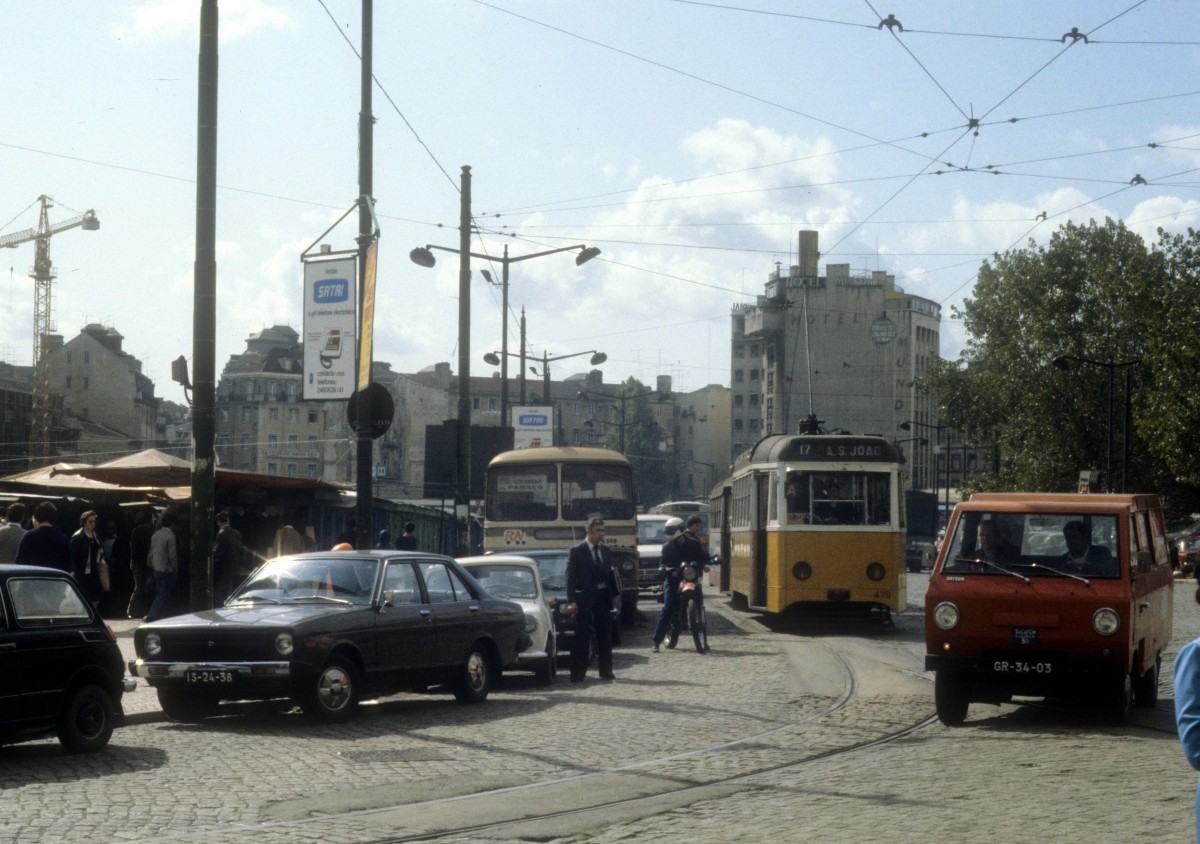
{"x":1064,"y":363}
{"x":586,"y":395}
{"x":424,"y":257}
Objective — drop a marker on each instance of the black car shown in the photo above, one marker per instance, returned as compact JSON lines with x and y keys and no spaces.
{"x":330,"y":629}
{"x":552,"y":566}
{"x":62,"y":669}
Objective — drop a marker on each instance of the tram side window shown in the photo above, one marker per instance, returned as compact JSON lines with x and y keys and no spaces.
{"x":523,"y":493}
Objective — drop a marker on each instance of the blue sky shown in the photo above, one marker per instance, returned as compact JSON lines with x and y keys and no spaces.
{"x":690,"y":141}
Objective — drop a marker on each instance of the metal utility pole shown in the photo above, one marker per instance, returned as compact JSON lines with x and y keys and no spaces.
{"x":204,"y":310}
{"x":463,"y":463}
{"x":365,"y":444}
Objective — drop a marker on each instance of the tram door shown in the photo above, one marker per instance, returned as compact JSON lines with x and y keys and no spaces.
{"x":762,"y":481}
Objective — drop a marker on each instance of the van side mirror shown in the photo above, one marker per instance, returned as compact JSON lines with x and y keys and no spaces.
{"x":389,"y":598}
{"x":1145,"y":561}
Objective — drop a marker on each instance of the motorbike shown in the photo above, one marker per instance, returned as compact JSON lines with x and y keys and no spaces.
{"x":689,"y":613}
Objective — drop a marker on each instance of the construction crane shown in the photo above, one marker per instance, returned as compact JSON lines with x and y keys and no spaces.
{"x":43,"y":275}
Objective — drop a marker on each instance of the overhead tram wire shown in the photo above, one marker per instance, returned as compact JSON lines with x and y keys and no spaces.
{"x":396,"y":108}
{"x":909,"y":31}
{"x":895,"y":37}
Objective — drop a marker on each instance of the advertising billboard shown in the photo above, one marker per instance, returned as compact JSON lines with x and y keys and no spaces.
{"x":533,"y":426}
{"x":329,"y":328}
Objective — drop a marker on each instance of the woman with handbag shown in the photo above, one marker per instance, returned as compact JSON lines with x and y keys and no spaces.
{"x":87,"y":560}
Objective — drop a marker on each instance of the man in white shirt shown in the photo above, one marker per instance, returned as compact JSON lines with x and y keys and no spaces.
{"x":164,"y":565}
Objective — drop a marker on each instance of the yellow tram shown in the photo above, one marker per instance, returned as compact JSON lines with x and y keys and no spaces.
{"x":814,"y":519}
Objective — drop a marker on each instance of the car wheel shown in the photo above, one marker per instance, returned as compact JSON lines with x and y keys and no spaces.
{"x":475,"y":680}
{"x":333,"y":696}
{"x":186,"y":706}
{"x":950,"y":698}
{"x":87,"y":720}
{"x":547,"y":669}
{"x":1145,"y":688}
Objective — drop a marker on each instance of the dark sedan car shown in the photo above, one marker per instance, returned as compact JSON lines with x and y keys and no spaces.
{"x":331,"y":629}
{"x":62,"y":669}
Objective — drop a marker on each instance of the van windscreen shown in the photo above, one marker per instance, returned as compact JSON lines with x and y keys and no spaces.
{"x":1035,"y":544}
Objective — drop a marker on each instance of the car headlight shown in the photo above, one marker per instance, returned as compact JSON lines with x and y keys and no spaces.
{"x":876,"y":571}
{"x":530,"y":623}
{"x":1106,"y":622}
{"x":945,"y":615}
{"x":153,"y":644}
{"x":627,"y":565}
{"x":284,"y":644}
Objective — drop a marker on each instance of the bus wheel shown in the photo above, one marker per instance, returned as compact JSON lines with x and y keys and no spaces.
{"x":950,"y":697}
{"x":1145,"y":688}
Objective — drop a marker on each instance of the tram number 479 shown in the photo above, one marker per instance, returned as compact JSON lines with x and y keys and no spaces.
{"x":883,"y":594}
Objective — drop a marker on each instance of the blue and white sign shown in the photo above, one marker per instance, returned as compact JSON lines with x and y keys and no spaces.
{"x":330,"y":328}
{"x":532,"y":426}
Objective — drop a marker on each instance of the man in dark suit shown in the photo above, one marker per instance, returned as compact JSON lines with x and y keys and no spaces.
{"x":1082,"y":557}
{"x":592,"y":585}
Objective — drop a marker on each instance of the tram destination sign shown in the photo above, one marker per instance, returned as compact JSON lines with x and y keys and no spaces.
{"x":863,"y":449}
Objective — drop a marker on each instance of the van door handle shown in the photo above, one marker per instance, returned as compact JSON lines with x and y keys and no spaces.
{"x":1144,"y":605}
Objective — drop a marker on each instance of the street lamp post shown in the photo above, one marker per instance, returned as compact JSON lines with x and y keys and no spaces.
{"x":941,"y":429}
{"x":1063,"y":363}
{"x":586,"y":254}
{"x":585,"y":395}
{"x":596,"y":359}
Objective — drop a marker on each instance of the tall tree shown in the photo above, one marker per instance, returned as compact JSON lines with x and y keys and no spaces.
{"x":643,"y":437}
{"x":1048,"y":328}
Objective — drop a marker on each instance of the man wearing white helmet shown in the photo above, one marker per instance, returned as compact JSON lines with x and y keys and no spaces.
{"x":672,"y":563}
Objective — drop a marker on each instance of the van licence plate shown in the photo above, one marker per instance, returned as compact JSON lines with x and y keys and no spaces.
{"x":1025,"y":636}
{"x":1022,"y":666}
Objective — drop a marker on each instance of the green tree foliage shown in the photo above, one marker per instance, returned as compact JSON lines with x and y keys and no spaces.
{"x":643,"y":436}
{"x":1093,"y":293}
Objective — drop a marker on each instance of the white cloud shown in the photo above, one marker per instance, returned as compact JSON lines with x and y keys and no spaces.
{"x":165,"y":19}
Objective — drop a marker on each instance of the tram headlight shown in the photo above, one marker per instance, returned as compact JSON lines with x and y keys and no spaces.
{"x":1106,"y":622}
{"x":945,"y":615}
{"x":802,"y":571}
{"x":876,"y":571}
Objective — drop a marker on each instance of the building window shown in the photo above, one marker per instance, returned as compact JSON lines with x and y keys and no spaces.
{"x":312,"y":470}
{"x":69,"y":357}
{"x":753,"y":374}
{"x":273,"y":414}
{"x":246,"y":413}
{"x":86,"y":382}
{"x":291,"y":473}
{"x":293,"y":415}
{"x":272,"y":442}
{"x":272,"y":468}
{"x":491,"y":404}
{"x":87,"y":357}
{"x":738,"y":376}
{"x":475,"y":403}
{"x":737,"y":400}
{"x":224,"y":414}
{"x":68,"y":382}
{"x":293,"y":441}
{"x":245,"y":440}
{"x":754,"y":399}
{"x":737,"y":424}
{"x":312,"y":417}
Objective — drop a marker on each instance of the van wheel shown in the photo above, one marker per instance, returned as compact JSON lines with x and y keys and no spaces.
{"x":1119,"y":699}
{"x":1145,"y":688}
{"x":950,"y":698}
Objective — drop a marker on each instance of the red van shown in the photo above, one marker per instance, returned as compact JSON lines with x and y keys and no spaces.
{"x":1048,"y":595}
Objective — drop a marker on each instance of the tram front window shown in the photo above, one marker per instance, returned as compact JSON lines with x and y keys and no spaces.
{"x":838,"y":498}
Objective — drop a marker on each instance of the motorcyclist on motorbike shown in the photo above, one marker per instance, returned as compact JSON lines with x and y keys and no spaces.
{"x":672,"y":563}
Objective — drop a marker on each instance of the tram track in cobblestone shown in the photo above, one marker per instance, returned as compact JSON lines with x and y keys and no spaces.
{"x":673,"y":795}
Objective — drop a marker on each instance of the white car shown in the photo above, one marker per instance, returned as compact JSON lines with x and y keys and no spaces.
{"x":516,"y":579}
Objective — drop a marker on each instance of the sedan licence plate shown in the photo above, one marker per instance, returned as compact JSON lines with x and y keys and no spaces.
{"x":207,"y":677}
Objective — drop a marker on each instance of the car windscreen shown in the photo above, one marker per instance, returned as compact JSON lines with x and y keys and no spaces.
{"x":552,"y":568}
{"x":1034,"y":544}
{"x":505,"y":581}
{"x":339,"y":579}
{"x":651,"y":532}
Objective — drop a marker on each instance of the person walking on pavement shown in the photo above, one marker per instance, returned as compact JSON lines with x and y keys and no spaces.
{"x":164,"y":565}
{"x":87,"y":555}
{"x":139,"y":563}
{"x":45,"y":545}
{"x":592,"y":585}
{"x":11,"y":533}
{"x":406,"y":541}
{"x":229,"y":554}
{"x":672,"y":563}
{"x":1187,"y":706}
